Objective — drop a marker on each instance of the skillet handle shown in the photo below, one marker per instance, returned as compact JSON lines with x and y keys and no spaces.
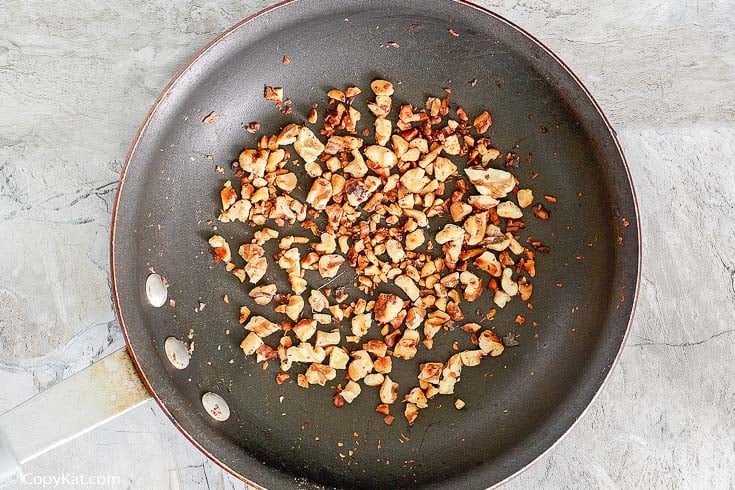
{"x":69,"y":409}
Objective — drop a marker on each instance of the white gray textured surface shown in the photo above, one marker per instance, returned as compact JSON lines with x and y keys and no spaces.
{"x":77,"y":78}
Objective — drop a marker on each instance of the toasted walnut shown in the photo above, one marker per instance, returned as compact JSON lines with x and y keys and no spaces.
{"x":490,"y":343}
{"x":383,"y":365}
{"x":274,"y":94}
{"x":459,"y":211}
{"x":388,"y":391}
{"x":318,"y":301}
{"x":319,"y":194}
{"x":338,"y":358}
{"x":451,"y":145}
{"x":337,"y":144}
{"x":482,"y":122}
{"x":501,"y":298}
{"x":406,"y":346}
{"x":414,"y":179}
{"x":298,"y":284}
{"x":307,"y":145}
{"x":327,"y":244}
{"x":415,"y":239}
{"x":305,"y":352}
{"x":329,"y":264}
{"x":414,"y":317}
{"x":509,"y":209}
{"x":290,"y":261}
{"x":382,"y":87}
{"x":495,"y":240}
{"x":262,"y":295}
{"x":261,"y":326}
{"x":357,"y":191}
{"x":394,"y":250}
{"x":411,"y":412}
{"x":443,"y":169}
{"x":239,"y":211}
{"x":450,"y":232}
{"x":286,"y":182}
{"x":482,"y":203}
{"x":507,"y":282}
{"x":374,"y":379}
{"x":408,"y":286}
{"x":360,"y":366}
{"x":387,"y":307}
{"x":319,"y":374}
{"x":361,"y":323}
{"x":383,"y":129}
{"x":356,"y":167}
{"x":221,"y":249}
{"x":251,"y":343}
{"x":228,"y":195}
{"x":459,"y":404}
{"x":382,"y":159}
{"x":294,"y":307}
{"x":417,"y":397}
{"x":491,"y":182}
{"x":256,"y":269}
{"x":305,"y":329}
{"x":350,"y":392}
{"x":472,"y":285}
{"x":288,"y":135}
{"x":489,"y":263}
{"x":525,"y":197}
{"x":525,"y":290}
{"x":244,"y":314}
{"x":324,"y":339}
{"x":431,"y":372}
{"x":450,"y":375}
{"x":471,"y":357}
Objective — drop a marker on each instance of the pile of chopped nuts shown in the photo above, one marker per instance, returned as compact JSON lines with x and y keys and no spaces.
{"x":382,"y":205}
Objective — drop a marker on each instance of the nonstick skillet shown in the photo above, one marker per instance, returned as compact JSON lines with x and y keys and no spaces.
{"x":518,"y":405}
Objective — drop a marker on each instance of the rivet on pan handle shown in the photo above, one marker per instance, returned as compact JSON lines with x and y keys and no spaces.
{"x":69,"y":409}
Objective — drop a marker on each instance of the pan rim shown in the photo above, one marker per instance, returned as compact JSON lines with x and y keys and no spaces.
{"x":219,"y":38}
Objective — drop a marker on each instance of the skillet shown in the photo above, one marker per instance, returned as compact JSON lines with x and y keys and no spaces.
{"x":519,"y":404}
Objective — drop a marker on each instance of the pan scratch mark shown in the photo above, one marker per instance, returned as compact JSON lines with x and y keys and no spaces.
{"x":334,"y":279}
{"x":423,"y":437}
{"x":684,"y":344}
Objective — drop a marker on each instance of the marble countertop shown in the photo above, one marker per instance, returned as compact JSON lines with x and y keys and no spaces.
{"x":75,"y":82}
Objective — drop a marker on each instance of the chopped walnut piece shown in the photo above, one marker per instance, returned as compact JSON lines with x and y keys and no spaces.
{"x":221,"y":249}
{"x":261,"y":326}
{"x":472,"y":285}
{"x":382,"y":87}
{"x":293,"y":308}
{"x":471,"y":357}
{"x":406,"y":346}
{"x":307,"y":145}
{"x":305,"y":329}
{"x":443,"y":169}
{"x":388,"y":391}
{"x":450,"y":232}
{"x":489,"y":263}
{"x":525,"y":291}
{"x":256,"y":269}
{"x":383,"y":365}
{"x":414,"y":179}
{"x":288,"y":134}
{"x":374,"y":379}
{"x":319,"y":374}
{"x":417,"y":397}
{"x":381,"y":158}
{"x":525,"y":197}
{"x":459,"y":404}
{"x":244,"y":314}
{"x":338,"y":358}
{"x":286,"y":182}
{"x":387,"y":307}
{"x":431,"y":372}
{"x":450,"y":375}
{"x":491,"y":182}
{"x":356,"y":167}
{"x":320,"y":194}
{"x":451,"y":145}
{"x":350,"y":391}
{"x":507,"y":282}
{"x":274,"y":94}
{"x":501,"y":298}
{"x":361,"y":323}
{"x":318,"y":301}
{"x":411,"y":412}
{"x":360,"y":366}
{"x":305,"y":352}
{"x":408,"y":286}
{"x":509,"y":209}
{"x":329,"y":265}
{"x":490,"y":343}
{"x":383,"y":129}
{"x":228,"y":195}
{"x":415,"y":239}
{"x":540,"y":211}
{"x":262,"y":295}
{"x":482,"y":122}
{"x":251,"y":343}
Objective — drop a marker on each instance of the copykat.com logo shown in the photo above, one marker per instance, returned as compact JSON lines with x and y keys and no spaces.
{"x":63,"y":480}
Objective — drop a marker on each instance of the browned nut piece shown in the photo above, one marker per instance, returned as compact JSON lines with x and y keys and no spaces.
{"x":319,"y":374}
{"x":387,"y":307}
{"x":508,"y":209}
{"x":251,"y":343}
{"x":459,"y":404}
{"x":307,"y":145}
{"x":262,"y":295}
{"x":417,"y":397}
{"x":221,"y":249}
{"x":540,"y":211}
{"x":525,"y":197}
{"x":491,"y":181}
{"x":274,"y":94}
{"x":305,"y":329}
{"x":350,"y":391}
{"x":360,"y":366}
{"x":525,"y":290}
{"x":261,"y":326}
{"x":383,"y":365}
{"x":431,"y":372}
{"x":471,"y":357}
{"x":388,"y":391}
{"x":288,"y":135}
{"x":415,"y":239}
{"x":286,"y":182}
{"x":490,"y":343}
{"x":482,"y":122}
{"x":406,"y":346}
{"x":382,"y":87}
{"x":411,"y":412}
